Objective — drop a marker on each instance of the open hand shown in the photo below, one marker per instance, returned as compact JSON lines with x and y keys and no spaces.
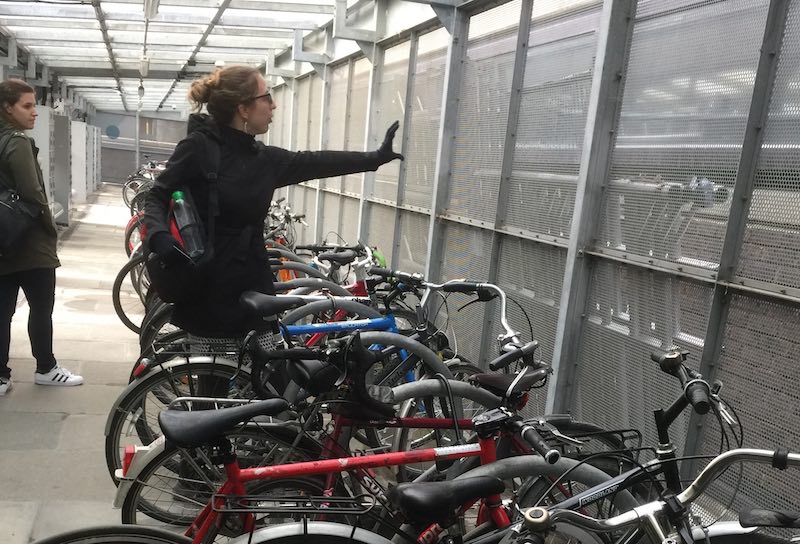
{"x":385,"y":151}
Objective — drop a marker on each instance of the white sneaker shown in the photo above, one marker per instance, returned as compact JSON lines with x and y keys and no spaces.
{"x":5,"y":386}
{"x":58,"y":376}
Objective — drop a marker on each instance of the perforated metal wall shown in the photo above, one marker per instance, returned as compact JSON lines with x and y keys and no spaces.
{"x":412,"y":247}
{"x":629,"y":314}
{"x":348,"y":227}
{"x":464,"y":256}
{"x":331,"y":213}
{"x":551,"y":124}
{"x":309,"y":204}
{"x":425,"y":103}
{"x":357,"y":119}
{"x":337,"y":116}
{"x":771,"y":250}
{"x":759,"y":370}
{"x":390,"y":106}
{"x":681,"y":117}
{"x":281,"y":118}
{"x":303,"y":113}
{"x":315,"y":112}
{"x":483,"y":113}
{"x":380,"y":229}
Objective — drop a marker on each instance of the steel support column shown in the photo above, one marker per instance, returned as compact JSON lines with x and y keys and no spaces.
{"x":324,"y":130}
{"x":401,"y":177}
{"x":517,"y":81}
{"x":604,"y":104}
{"x":447,"y":134}
{"x":740,"y":208}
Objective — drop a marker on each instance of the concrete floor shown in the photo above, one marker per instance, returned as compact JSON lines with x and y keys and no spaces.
{"x":53,"y":474}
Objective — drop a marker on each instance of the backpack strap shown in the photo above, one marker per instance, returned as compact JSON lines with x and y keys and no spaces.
{"x":4,"y":140}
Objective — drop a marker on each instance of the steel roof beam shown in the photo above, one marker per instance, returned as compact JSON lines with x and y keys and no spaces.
{"x":114,"y":68}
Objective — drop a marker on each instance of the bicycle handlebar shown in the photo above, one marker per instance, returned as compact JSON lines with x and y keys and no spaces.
{"x":517,"y":353}
{"x":540,"y":519}
{"x":532,"y":437}
{"x":695,"y":388}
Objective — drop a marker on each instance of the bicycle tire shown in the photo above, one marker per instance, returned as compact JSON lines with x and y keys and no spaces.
{"x":132,"y":186}
{"x":177,"y":471}
{"x":138,"y":201}
{"x":133,"y":232}
{"x":130,"y":321}
{"x":117,"y":534}
{"x":313,"y":532}
{"x":156,"y":324}
{"x":128,"y":421}
{"x":299,"y":268}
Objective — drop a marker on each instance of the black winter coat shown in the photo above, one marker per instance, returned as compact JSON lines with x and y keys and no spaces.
{"x":249,"y":173}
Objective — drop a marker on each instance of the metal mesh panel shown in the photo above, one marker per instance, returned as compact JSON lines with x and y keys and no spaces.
{"x":380,"y":229}
{"x":629,"y":314}
{"x":390,"y":106}
{"x":315,"y":112}
{"x":759,"y":370}
{"x":532,"y":275}
{"x":771,"y":249}
{"x":349,"y":223}
{"x":307,"y":206}
{"x":412,"y":248}
{"x":465,"y":251}
{"x":687,"y":95}
{"x":280,"y":118}
{"x":303,"y":113}
{"x":331,"y":211}
{"x":552,"y":121}
{"x":483,"y":113}
{"x":337,"y":116}
{"x":426,"y":108}
{"x":357,"y":122}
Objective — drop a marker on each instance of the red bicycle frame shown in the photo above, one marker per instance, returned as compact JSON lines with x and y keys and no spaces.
{"x":332,"y":467}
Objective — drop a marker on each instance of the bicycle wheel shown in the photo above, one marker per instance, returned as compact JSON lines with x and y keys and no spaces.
{"x":131,"y":187}
{"x":134,"y":418}
{"x":313,"y":532}
{"x":117,"y":534}
{"x":172,"y":343}
{"x":176,"y":484}
{"x":156,"y":325}
{"x":126,"y":294}
{"x":133,"y":233}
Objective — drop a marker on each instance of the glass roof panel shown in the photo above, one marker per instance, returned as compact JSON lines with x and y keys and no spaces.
{"x":72,"y":34}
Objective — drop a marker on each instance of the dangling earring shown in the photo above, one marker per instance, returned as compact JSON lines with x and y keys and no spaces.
{"x":245,"y":127}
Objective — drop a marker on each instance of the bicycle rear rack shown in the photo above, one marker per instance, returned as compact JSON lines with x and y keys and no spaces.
{"x":286,"y":506}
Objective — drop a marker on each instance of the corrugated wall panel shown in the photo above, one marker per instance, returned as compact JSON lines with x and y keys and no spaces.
{"x":425,"y":104}
{"x":331,"y":212}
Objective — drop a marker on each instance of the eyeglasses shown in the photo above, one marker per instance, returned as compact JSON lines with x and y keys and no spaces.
{"x":267,"y":96}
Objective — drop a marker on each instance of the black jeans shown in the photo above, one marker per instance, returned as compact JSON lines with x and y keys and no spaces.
{"x":39,"y":286}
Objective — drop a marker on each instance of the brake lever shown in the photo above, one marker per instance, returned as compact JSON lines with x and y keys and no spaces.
{"x":542,"y":424}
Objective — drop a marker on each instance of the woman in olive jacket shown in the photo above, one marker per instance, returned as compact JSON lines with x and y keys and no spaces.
{"x":240,"y":106}
{"x":32,"y":265}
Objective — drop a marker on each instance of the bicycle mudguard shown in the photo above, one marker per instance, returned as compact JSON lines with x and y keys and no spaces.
{"x":140,"y":460}
{"x":719,"y":529}
{"x":159,"y":367}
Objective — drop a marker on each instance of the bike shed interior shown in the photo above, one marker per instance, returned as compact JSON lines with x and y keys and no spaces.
{"x":626,"y":170}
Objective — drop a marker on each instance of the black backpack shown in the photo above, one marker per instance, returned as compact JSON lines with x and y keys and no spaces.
{"x":181,"y":283}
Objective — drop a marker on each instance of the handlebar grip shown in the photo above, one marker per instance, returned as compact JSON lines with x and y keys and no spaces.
{"x":402,"y":276}
{"x":508,"y":358}
{"x":697,"y":393}
{"x":382,"y":272}
{"x":460,"y":287}
{"x":536,"y":441}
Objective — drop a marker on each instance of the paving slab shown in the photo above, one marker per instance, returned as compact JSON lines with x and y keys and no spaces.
{"x":55,"y":517}
{"x":17,"y":519}
{"x":83,"y":399}
{"x":31,"y":431}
